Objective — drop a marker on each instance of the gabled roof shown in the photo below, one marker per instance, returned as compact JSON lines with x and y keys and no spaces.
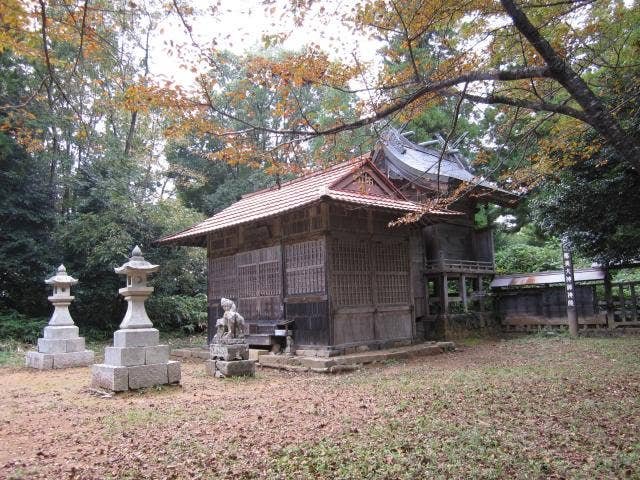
{"x":548,"y":277}
{"x":419,"y":164}
{"x":298,"y":193}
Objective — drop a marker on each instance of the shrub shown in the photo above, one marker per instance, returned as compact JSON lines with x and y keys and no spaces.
{"x":16,"y":326}
{"x":178,"y":312}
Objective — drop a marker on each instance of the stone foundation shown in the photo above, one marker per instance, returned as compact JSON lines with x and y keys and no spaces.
{"x":120,"y":379}
{"x":61,"y":347}
{"x":461,"y":325}
{"x":140,"y":364}
{"x":230,"y":358}
{"x":234,"y":368}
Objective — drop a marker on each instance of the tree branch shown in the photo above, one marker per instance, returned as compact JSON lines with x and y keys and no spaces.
{"x":436,"y":87}
{"x":540,"y":106}
{"x":595,"y":111}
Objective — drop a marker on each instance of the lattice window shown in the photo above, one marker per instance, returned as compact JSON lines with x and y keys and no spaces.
{"x":222,"y":277}
{"x":305,"y":267}
{"x":353,"y":219}
{"x":302,"y":221}
{"x":381,"y":222}
{"x":350,"y":270}
{"x":259,"y":273}
{"x":391,"y":261}
{"x":224,"y":239}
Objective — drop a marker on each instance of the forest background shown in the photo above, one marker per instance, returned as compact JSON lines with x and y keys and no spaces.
{"x":97,"y":153}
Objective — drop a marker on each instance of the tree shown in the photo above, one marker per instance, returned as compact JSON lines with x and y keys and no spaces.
{"x":26,"y":217}
{"x":527,"y":56}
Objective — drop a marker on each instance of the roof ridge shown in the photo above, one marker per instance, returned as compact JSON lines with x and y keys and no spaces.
{"x":331,"y":168}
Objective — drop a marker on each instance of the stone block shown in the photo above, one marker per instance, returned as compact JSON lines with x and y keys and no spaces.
{"x":239,"y":351}
{"x":210,"y":367}
{"x":76,"y":345}
{"x":447,"y":346}
{"x":49,"y":345}
{"x":181,"y":352}
{"x":142,"y":376}
{"x":73,"y":359}
{"x":41,"y":361}
{"x":157,"y":354}
{"x":236,"y":368}
{"x":173,"y":371}
{"x":141,"y":337}
{"x":110,"y":377}
{"x":254,"y":354}
{"x":124,"y":356}
{"x":317,"y":352}
{"x":201,"y":353}
{"x":59,"y":333}
{"x":316,"y":362}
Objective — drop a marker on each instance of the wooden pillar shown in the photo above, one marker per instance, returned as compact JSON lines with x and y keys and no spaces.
{"x":427,"y":308}
{"x":480,"y":293}
{"x":634,"y":304}
{"x":572,"y":314}
{"x":623,"y":310}
{"x":608,"y":296}
{"x":463,"y":292}
{"x":444,"y":294}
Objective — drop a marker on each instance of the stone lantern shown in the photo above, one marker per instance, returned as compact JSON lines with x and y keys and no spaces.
{"x":61,"y":346}
{"x":137,"y":269}
{"x":136,"y":360}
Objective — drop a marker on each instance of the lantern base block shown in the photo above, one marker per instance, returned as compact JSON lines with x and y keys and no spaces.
{"x":120,"y":379}
{"x":49,"y":361}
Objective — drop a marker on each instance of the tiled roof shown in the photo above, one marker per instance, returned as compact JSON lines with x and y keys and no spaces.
{"x":291,"y":195}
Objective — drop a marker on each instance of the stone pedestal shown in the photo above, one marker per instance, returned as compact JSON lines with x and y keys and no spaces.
{"x":229,"y":358}
{"x":136,"y":359}
{"x":60,"y":347}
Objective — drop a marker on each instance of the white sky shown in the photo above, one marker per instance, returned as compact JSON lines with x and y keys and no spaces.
{"x":238,"y":26}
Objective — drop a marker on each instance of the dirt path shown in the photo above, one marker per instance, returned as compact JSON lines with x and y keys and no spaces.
{"x":51,"y":426}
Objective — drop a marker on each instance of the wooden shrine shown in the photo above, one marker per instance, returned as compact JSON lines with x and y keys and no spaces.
{"x":317,"y":257}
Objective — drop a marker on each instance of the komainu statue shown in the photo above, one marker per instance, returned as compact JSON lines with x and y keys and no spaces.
{"x":231,"y":325}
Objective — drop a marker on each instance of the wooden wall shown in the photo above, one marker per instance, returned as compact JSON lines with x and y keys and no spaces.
{"x":340,"y":272}
{"x":274,"y":270}
{"x":369,"y":277}
{"x":545,"y":306}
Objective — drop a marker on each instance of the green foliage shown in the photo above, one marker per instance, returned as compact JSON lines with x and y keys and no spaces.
{"x":26,"y":219}
{"x":185,"y":313}
{"x":595,"y":203}
{"x":521,"y":258}
{"x":16,"y":326}
{"x":96,"y":242}
{"x":206,"y":185}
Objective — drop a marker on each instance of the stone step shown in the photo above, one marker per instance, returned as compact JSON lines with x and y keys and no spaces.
{"x":262,"y":339}
{"x":352,"y":361}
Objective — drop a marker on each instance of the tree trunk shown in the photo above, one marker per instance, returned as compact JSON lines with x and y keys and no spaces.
{"x":595,"y":110}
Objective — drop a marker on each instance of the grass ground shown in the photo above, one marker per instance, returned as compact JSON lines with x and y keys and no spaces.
{"x":523,"y":408}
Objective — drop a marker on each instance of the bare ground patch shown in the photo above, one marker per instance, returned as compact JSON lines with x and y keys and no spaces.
{"x":527,"y":408}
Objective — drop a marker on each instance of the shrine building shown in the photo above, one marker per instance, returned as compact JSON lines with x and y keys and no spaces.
{"x":316,"y":256}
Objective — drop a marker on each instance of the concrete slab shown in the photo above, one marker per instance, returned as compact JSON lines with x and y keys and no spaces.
{"x":73,"y":359}
{"x":41,"y":361}
{"x":156,"y":354}
{"x":124,"y":356}
{"x":140,"y":337}
{"x":353,"y":361}
{"x":254,"y":353}
{"x":76,"y":345}
{"x":110,"y":377}
{"x":50,"y":345}
{"x":236,"y":368}
{"x":173,"y":371}
{"x":58,"y":333}
{"x":142,"y":376}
